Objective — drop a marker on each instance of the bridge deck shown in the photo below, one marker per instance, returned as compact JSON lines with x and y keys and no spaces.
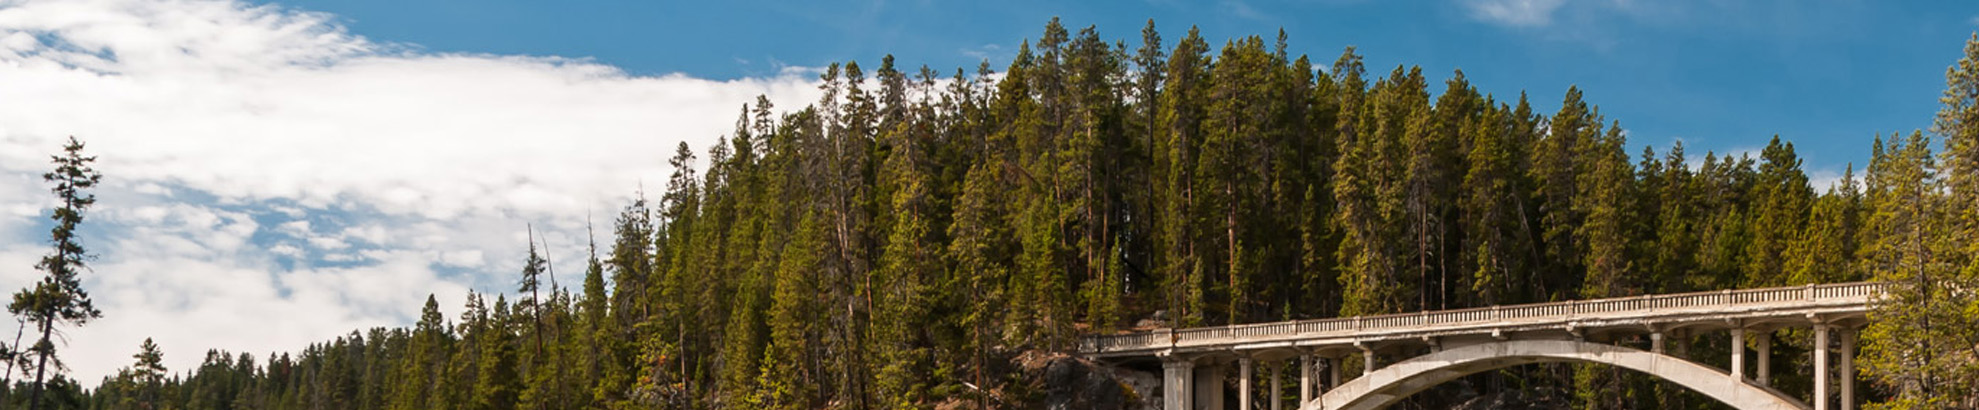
{"x":1750,"y":306}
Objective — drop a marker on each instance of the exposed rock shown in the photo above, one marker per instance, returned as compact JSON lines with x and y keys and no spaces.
{"x":1070,"y":383}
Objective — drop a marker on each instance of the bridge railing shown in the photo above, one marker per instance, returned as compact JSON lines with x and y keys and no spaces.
{"x":1168,"y":338}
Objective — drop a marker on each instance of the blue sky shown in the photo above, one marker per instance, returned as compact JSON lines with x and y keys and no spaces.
{"x":281,"y":174}
{"x":1722,"y":76}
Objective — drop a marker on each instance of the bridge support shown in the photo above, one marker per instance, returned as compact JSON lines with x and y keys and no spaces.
{"x":1820,"y":367}
{"x":1305,"y":377}
{"x":1367,"y":358}
{"x":1244,"y":383}
{"x":1333,"y":372}
{"x":1208,"y":386}
{"x":1177,"y":377}
{"x":1738,"y":355}
{"x":1847,"y":379}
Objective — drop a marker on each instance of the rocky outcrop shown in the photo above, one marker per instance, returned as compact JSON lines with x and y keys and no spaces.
{"x":1065,"y":382}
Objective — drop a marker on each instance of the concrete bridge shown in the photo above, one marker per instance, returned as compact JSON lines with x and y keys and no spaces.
{"x":1429,"y":348}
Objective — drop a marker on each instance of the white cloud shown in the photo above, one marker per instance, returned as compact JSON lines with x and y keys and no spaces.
{"x":1243,"y":10}
{"x":1516,"y":13}
{"x":273,"y":180}
{"x":1824,"y":179}
{"x":984,"y":52}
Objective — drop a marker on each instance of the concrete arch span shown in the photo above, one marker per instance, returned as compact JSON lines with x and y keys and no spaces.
{"x":1388,"y":384}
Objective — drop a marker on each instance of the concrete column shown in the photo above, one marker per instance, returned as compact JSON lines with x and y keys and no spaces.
{"x":1847,"y":378}
{"x":1367,"y":359}
{"x":1305,"y":378}
{"x":1765,"y":362}
{"x":1275,"y":389}
{"x":1656,"y":342}
{"x":1244,"y":383}
{"x":1177,"y":383}
{"x":1820,"y":367}
{"x":1738,"y":354}
{"x":1209,"y":388}
{"x":1333,"y":372}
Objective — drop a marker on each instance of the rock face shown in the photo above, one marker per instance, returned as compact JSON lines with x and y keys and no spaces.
{"x":1070,"y":383}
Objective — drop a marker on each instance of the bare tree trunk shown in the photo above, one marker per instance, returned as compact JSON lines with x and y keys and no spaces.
{"x":41,"y":367}
{"x":7,"y":379}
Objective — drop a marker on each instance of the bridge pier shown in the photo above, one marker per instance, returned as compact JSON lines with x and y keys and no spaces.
{"x":1367,"y":358}
{"x":1820,"y":366}
{"x":1738,"y":354}
{"x":1847,"y":379}
{"x":1333,"y":372}
{"x":1244,"y":383}
{"x":1177,"y":383}
{"x":1208,"y":386}
{"x":1305,"y":377}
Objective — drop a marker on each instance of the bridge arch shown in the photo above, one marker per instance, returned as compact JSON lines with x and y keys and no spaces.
{"x":1388,"y":384}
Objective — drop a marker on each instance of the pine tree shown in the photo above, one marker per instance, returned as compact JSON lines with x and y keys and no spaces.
{"x":1180,"y":116}
{"x":907,"y":262}
{"x":497,"y":383}
{"x":787,"y":378}
{"x":1824,"y":252}
{"x":591,"y":338}
{"x":1673,"y":253}
{"x":1783,"y":204}
{"x":1240,"y":95}
{"x":981,"y":250}
{"x":1492,"y":184}
{"x":146,"y":377}
{"x":631,"y":266}
{"x":1092,"y":156}
{"x":1371,"y":191}
{"x":1907,"y":252}
{"x":1920,"y":338}
{"x":1958,"y":124}
{"x":1604,"y":201}
{"x":1557,"y":167}
{"x":419,"y":375}
{"x":530,"y":284}
{"x":58,"y":298}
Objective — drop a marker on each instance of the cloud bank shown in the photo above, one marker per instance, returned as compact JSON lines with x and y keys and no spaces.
{"x":273,"y":180}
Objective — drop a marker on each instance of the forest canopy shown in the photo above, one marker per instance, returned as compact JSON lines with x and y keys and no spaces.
{"x":898,"y":243}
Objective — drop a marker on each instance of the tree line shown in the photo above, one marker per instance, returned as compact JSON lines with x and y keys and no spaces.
{"x":898,"y":243}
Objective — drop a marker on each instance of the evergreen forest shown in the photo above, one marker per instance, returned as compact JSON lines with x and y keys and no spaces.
{"x":916,"y":237}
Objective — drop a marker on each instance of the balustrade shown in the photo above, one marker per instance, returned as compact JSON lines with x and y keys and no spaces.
{"x":1538,"y":313}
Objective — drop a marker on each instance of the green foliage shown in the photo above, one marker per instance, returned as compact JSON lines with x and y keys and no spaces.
{"x":1920,"y":342}
{"x":787,"y":379}
{"x":897,"y":243}
{"x":497,"y":383}
{"x":58,"y":299}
